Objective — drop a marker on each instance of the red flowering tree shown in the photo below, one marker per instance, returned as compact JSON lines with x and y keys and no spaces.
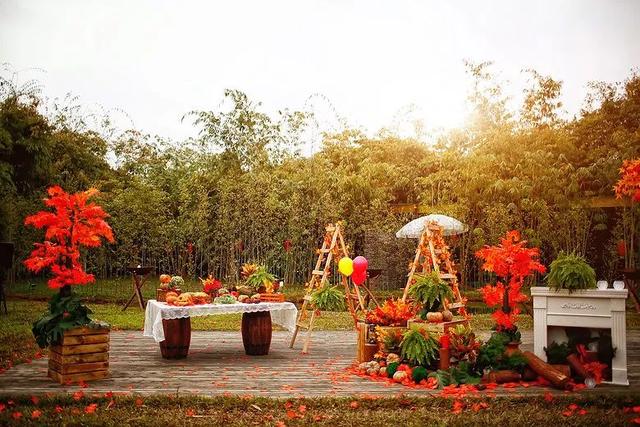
{"x":74,"y":222}
{"x":629,"y":186}
{"x":512,"y":262}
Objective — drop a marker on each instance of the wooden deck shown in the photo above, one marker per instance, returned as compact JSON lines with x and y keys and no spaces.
{"x":217,"y":365}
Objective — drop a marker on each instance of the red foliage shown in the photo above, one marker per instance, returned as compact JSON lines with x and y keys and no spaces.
{"x":629,"y":183}
{"x":391,"y":313}
{"x":74,"y":223}
{"x":513,"y":262}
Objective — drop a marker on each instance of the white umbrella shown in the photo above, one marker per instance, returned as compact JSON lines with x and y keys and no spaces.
{"x":414,"y":229}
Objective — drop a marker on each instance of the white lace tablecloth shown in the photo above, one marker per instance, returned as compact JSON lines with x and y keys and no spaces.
{"x":282,"y":313}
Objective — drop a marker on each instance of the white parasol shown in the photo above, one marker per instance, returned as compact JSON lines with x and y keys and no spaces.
{"x":414,"y":229}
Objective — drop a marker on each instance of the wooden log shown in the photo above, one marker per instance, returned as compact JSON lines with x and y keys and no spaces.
{"x":501,"y":377}
{"x":565,"y":369}
{"x":177,"y":338}
{"x":546,"y":371}
{"x":577,"y":366}
{"x":256,"y":333}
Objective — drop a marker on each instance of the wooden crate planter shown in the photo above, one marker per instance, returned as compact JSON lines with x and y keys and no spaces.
{"x":367,"y":343}
{"x":83,"y":355}
{"x":277,"y":297}
{"x":436,"y":329}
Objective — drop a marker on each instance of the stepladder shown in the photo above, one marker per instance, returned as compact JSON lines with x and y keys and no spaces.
{"x":433,"y":254}
{"x":333,"y":248}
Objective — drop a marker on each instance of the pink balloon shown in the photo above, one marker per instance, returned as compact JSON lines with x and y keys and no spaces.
{"x":359,"y":278}
{"x":360,"y":265}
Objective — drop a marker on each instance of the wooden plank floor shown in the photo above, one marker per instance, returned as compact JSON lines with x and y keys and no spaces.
{"x":217,"y":365}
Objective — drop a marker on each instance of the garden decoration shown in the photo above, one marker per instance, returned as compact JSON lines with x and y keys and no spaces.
{"x":139,"y":276}
{"x":168,"y":285}
{"x":259,"y":284}
{"x":628,"y":187}
{"x":332,"y":246}
{"x":78,"y":346}
{"x":433,"y":254}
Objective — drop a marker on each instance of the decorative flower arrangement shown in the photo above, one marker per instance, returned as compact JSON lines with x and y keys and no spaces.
{"x":259,"y":279}
{"x":512,"y":262}
{"x":211,"y":285}
{"x":74,"y":223}
{"x":392,"y":313}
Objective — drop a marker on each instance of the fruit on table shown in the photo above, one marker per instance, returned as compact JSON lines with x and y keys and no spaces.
{"x":447,"y":316}
{"x":244,"y":290}
{"x":171,"y":297}
{"x":165,"y":278}
{"x":184,"y":300}
{"x":201,"y":298}
{"x":225,"y":299}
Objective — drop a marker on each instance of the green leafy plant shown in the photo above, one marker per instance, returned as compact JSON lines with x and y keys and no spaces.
{"x":492,"y":355}
{"x":557,"y":353}
{"x":462,"y":374}
{"x":418,"y":347}
{"x":570,"y":272}
{"x":328,"y":298}
{"x":65,"y":312}
{"x":260,"y":280}
{"x":430,"y":291}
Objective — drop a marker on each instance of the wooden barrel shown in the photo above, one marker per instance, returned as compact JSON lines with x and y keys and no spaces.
{"x":256,"y":333}
{"x":177,"y":337}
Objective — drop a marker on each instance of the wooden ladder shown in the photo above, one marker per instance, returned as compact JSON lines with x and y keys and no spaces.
{"x":333,"y":246}
{"x":433,"y":254}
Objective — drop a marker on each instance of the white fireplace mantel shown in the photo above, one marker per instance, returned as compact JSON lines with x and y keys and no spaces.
{"x":603,"y":309}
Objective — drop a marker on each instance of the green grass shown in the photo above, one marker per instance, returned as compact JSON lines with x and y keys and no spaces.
{"x":133,"y":410}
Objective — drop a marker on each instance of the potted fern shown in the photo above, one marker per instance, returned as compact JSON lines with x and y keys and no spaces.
{"x":570,"y":272}
{"x":430,"y":291}
{"x":328,"y":298}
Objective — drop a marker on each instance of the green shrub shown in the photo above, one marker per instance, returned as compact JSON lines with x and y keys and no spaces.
{"x":418,"y":349}
{"x":328,"y":298}
{"x":557,"y":353}
{"x":571,"y":272}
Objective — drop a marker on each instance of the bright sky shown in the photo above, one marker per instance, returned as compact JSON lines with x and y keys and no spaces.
{"x":156,"y":60}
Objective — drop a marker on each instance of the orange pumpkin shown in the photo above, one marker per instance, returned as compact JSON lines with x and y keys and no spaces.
{"x":165,"y":278}
{"x":434,"y":317}
{"x":171,"y":299}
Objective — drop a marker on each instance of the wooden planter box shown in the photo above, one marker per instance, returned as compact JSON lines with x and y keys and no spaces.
{"x":436,"y":329}
{"x":83,"y":355}
{"x":367,"y":343}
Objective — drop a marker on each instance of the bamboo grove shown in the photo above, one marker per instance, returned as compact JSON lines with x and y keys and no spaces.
{"x":239,"y":191}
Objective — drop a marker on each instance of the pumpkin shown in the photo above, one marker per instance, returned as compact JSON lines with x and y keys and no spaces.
{"x":447,"y":316}
{"x":434,"y":317}
{"x":171,"y":299}
{"x":184,"y":299}
{"x":399,"y":376}
{"x":165,"y":278}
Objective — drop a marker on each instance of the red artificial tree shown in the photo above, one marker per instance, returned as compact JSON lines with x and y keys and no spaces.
{"x":629,"y":186}
{"x":512,"y":262}
{"x":75,"y":222}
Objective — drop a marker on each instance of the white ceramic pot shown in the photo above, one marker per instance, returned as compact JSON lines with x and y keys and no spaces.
{"x":618,"y":285}
{"x":602,"y":285}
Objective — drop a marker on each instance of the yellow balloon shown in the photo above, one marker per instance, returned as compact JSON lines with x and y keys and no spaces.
{"x":345,"y":266}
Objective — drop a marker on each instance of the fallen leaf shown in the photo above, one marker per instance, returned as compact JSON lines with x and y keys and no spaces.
{"x":354,"y":404}
{"x":36,"y":414}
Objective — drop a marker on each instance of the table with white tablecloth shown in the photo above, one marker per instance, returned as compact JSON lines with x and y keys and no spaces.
{"x":160,"y":316}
